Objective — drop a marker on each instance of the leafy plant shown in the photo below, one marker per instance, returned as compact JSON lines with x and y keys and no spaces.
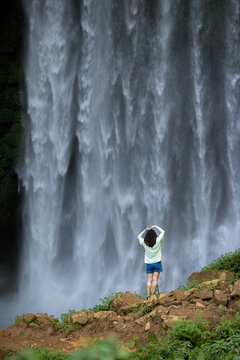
{"x":232,"y":279}
{"x":66,"y":315}
{"x":190,"y":285}
{"x":213,"y":287}
{"x":223,"y":309}
{"x":106,"y":349}
{"x":105,"y":304}
{"x":228,"y":328}
{"x":229,"y":261}
{"x":195,"y":331}
{"x":37,"y":353}
{"x":145,"y":309}
{"x":32,"y":320}
{"x":134,"y":310}
{"x":18,"y":318}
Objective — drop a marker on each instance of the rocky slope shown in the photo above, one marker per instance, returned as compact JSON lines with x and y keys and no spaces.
{"x":216,"y":297}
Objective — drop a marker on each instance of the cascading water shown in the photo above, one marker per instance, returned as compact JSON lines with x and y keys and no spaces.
{"x":133,"y":120}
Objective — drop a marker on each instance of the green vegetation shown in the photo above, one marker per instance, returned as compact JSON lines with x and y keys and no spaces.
{"x":193,"y":340}
{"x":213,"y":287}
{"x":63,"y":325}
{"x":105,"y":304}
{"x":18,"y":318}
{"x":190,"y":285}
{"x":232,"y":279}
{"x":32,"y":320}
{"x":229,"y":261}
{"x":189,"y":340}
{"x":107,"y":349}
{"x":145,"y":309}
{"x":66,"y":315}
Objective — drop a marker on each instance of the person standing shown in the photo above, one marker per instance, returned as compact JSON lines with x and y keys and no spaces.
{"x":153,"y":255}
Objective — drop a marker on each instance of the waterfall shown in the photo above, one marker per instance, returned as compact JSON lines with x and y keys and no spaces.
{"x":133,"y":120}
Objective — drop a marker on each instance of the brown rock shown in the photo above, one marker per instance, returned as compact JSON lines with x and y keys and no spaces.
{"x":181,"y":294}
{"x":44,"y":319}
{"x":224,"y":285}
{"x":147,"y":326}
{"x":169,"y":320}
{"x":162,"y":295}
{"x":82,"y":317}
{"x":212,"y":307}
{"x":200,"y":305}
{"x":203,"y":294}
{"x":169,"y":299}
{"x":207,"y":275}
{"x":158,"y":311}
{"x":142,"y":320}
{"x":126,"y":301}
{"x":235,"y":294}
{"x":220,"y":298}
{"x":235,"y":305}
{"x":105,"y":315}
{"x":28,"y":318}
{"x":209,"y":284}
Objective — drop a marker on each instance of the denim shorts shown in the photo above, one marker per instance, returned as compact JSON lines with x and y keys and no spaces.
{"x":155,"y":267}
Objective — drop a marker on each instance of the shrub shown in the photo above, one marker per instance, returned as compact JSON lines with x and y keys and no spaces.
{"x":195,"y":331}
{"x":223,"y":349}
{"x":232,"y":279}
{"x":228,"y":328}
{"x":145,"y":309}
{"x":66,"y":315}
{"x":18,"y":318}
{"x":229,"y":261}
{"x":101,"y":350}
{"x":190,"y":285}
{"x":106,"y":302}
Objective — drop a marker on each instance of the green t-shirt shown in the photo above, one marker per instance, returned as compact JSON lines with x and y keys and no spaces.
{"x":152,"y":254}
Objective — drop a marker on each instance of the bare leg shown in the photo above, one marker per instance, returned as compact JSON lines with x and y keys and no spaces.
{"x":155,"y":282}
{"x":149,"y":283}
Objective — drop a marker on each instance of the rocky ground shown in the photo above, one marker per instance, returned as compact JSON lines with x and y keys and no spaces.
{"x":215,"y":299}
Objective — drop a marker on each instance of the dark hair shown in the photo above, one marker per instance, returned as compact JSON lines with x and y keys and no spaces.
{"x":150,"y":238}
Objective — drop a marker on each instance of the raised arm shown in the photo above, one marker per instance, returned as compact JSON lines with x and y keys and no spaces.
{"x":162,"y":232}
{"x":140,"y":236}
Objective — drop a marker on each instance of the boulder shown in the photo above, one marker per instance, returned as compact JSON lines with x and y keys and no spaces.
{"x":147,"y":326}
{"x":181,"y":294}
{"x":200,"y":305}
{"x":203,"y":294}
{"x":235,"y":305}
{"x":106,"y":315}
{"x":169,"y":299}
{"x":169,"y":320}
{"x":82,"y":317}
{"x":152,"y":302}
{"x":220,"y":298}
{"x":207,"y":275}
{"x":158,"y":311}
{"x":209,"y":284}
{"x":44,"y":319}
{"x":235,"y":294}
{"x":126,"y":302}
{"x":28,"y":318}
{"x":224,"y":285}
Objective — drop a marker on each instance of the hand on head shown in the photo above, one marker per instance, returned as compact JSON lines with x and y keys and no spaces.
{"x":153,"y":226}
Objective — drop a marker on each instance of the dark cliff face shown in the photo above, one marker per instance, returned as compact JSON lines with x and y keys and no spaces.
{"x":11,"y":88}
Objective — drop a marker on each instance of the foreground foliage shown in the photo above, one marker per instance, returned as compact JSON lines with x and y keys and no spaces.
{"x":189,"y":340}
